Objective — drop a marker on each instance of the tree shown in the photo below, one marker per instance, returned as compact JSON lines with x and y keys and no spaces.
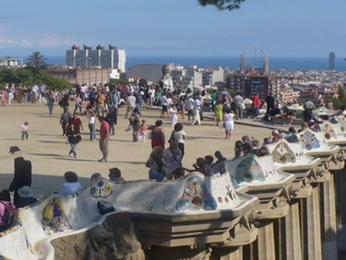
{"x":340,"y":102}
{"x":117,"y":82}
{"x":37,"y":61}
{"x":223,"y":4}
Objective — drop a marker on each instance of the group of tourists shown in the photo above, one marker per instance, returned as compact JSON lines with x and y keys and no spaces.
{"x":19,"y":193}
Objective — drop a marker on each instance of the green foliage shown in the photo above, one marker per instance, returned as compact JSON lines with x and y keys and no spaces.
{"x":37,"y":61}
{"x":29,"y":76}
{"x":143,"y":83}
{"x":340,"y":102}
{"x":117,"y":82}
{"x":54,"y":83}
{"x":223,"y":4}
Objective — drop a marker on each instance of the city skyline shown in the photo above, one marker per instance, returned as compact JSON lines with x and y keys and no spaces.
{"x":174,"y":28}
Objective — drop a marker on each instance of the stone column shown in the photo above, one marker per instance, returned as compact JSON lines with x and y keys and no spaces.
{"x":313,"y":244}
{"x":227,"y":253}
{"x":265,"y":241}
{"x":293,"y":249}
{"x":329,"y":220}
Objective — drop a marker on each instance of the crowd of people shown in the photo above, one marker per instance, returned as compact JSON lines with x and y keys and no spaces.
{"x":165,"y":162}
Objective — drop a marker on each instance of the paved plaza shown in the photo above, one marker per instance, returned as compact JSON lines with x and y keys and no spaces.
{"x":48,"y":150}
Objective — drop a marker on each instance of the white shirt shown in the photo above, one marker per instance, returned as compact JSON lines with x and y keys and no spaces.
{"x":92,"y":120}
{"x":198,"y":104}
{"x":131,"y":101}
{"x":163,"y":101}
{"x":25,"y":127}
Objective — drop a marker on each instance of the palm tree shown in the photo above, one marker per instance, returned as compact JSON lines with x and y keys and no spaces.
{"x":37,"y":60}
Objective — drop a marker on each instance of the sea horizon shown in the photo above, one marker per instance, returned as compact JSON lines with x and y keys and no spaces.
{"x":231,"y":62}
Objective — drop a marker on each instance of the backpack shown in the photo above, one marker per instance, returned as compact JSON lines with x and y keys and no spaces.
{"x":9,"y":214}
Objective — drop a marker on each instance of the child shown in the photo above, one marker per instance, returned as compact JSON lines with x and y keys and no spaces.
{"x":174,"y":116}
{"x":142,"y":132}
{"x":25,"y":128}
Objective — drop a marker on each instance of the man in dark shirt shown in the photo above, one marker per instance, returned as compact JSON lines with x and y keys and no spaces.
{"x":64,"y":119}
{"x":270,"y":100}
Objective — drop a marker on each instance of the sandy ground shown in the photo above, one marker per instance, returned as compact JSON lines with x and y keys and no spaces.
{"x":47,"y":149}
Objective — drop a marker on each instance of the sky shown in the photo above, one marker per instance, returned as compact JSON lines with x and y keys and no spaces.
{"x":282,"y":28}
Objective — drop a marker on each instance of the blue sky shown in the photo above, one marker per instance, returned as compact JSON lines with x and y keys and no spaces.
{"x":309,"y":28}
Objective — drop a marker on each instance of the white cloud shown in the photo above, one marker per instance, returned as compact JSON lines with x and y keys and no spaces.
{"x":6,"y":43}
{"x":55,"y":41}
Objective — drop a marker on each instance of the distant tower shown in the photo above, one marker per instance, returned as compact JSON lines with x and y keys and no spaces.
{"x":242,"y":64}
{"x":266,"y":65}
{"x":331,"y":65}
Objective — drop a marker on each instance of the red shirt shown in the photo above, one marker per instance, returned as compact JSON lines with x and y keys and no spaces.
{"x":76,"y":122}
{"x":104,"y":130}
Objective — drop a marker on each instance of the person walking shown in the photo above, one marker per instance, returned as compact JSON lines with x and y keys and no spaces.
{"x":190,"y":104}
{"x":239,"y":103}
{"x":65,"y":119}
{"x":179,"y":137}
{"x":50,"y":103}
{"x":76,"y":123}
{"x":104,"y":138}
{"x":157,"y":135}
{"x":228,"y":122}
{"x":218,"y":113}
{"x":25,"y":131}
{"x":92,"y":125}
{"x":112,"y":118}
{"x":134,"y":124}
{"x":196,"y":112}
{"x":73,"y":139}
{"x":130,"y":105}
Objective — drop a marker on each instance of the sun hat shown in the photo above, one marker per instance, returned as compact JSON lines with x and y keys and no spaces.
{"x":14,"y":149}
{"x":25,"y":192}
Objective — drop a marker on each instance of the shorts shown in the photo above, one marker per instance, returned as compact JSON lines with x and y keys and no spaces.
{"x":164,"y":108}
{"x":103,"y":144}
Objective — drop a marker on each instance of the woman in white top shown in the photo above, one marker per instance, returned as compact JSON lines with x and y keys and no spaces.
{"x":228,"y":123}
{"x":92,"y":125}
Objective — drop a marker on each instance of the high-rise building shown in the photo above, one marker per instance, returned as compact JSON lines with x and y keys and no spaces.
{"x":251,"y":83}
{"x":242,"y":64}
{"x":113,"y":58}
{"x":331,"y":63}
{"x":266,"y":65}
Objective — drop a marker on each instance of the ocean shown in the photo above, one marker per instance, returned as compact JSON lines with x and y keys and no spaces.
{"x":276,"y":63}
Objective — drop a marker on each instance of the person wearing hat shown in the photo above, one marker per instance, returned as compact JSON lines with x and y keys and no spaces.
{"x":115,"y":176}
{"x":25,"y":197}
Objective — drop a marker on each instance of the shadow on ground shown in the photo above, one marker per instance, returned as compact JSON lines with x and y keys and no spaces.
{"x":39,"y":182}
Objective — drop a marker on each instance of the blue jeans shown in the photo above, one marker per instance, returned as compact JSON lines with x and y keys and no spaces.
{"x":50,"y":109}
{"x":92,"y":129}
{"x":156,"y":176}
{"x":73,"y":149}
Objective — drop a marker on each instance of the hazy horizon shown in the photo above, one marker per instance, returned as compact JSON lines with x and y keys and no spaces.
{"x":178,"y":28}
